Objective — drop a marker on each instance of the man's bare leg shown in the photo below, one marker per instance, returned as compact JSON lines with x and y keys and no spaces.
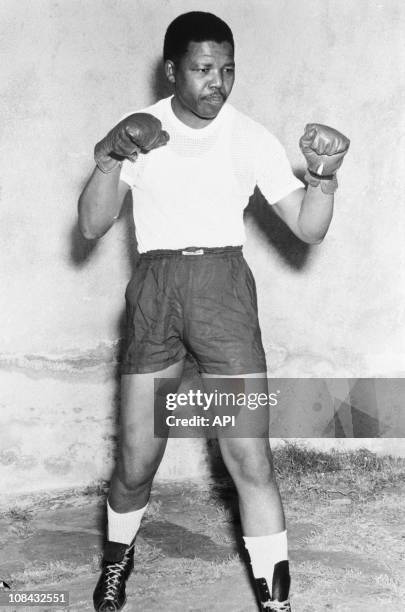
{"x":250,"y":464}
{"x":139,"y":452}
{"x":139,"y":456}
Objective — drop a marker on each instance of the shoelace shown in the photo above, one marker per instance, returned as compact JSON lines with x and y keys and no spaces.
{"x":277,"y":606}
{"x":113,"y":576}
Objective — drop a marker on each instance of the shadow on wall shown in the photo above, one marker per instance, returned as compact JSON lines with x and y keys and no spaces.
{"x":81,"y":249}
{"x":290,"y":248}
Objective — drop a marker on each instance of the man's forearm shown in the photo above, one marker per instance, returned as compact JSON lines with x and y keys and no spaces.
{"x":315,"y":214}
{"x":324,"y":149}
{"x":98,"y":203}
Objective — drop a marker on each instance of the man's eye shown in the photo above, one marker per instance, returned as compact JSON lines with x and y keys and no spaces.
{"x":230,"y":70}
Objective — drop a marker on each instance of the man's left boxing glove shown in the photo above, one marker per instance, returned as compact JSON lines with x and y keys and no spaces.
{"x":324,"y":148}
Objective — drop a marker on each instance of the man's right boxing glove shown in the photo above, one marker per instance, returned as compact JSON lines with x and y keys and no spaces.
{"x":138,"y":132}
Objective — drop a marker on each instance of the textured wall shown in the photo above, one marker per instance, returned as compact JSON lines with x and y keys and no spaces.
{"x":69,"y":70}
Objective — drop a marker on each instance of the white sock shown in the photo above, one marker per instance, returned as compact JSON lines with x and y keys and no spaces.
{"x":123,"y":527}
{"x":265,"y":552}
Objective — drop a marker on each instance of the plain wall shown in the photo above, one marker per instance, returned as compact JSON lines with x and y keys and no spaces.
{"x":70,"y":69}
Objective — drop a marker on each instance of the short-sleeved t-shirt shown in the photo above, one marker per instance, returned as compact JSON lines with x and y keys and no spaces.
{"x":192,"y":191}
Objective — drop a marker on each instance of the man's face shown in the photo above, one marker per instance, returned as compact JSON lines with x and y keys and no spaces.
{"x":203,"y":80}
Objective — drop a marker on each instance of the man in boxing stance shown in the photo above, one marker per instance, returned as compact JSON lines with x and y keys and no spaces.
{"x":192,"y":161}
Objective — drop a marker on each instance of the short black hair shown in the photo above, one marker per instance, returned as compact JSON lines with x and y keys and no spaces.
{"x":195,"y":26}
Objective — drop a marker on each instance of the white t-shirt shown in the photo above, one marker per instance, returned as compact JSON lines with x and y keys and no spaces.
{"x":192,"y":191}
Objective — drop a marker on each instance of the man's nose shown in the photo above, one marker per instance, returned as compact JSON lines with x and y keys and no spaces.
{"x":216,"y":80}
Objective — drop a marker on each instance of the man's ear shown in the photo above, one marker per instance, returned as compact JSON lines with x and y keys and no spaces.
{"x":170,"y":71}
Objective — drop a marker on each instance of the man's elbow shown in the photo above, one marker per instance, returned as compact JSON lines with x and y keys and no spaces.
{"x":87,"y":229}
{"x":87,"y":233}
{"x":312,"y":235}
{"x":313,"y":240}
{"x":84,"y":228}
{"x":316,"y":241}
{"x":91,"y":232}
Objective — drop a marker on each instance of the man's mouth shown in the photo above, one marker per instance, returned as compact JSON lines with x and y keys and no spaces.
{"x":216,"y":98}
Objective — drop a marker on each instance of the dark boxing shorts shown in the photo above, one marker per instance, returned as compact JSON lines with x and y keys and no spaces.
{"x":197,"y":301}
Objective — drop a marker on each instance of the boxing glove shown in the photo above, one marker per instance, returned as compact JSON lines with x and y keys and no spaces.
{"x":140,"y":132}
{"x":324,"y":149}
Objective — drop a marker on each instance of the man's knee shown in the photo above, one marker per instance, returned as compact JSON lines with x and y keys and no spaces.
{"x":250,"y":464}
{"x":136,"y":473}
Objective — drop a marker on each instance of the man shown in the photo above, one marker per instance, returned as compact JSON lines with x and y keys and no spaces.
{"x":192,"y":161}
